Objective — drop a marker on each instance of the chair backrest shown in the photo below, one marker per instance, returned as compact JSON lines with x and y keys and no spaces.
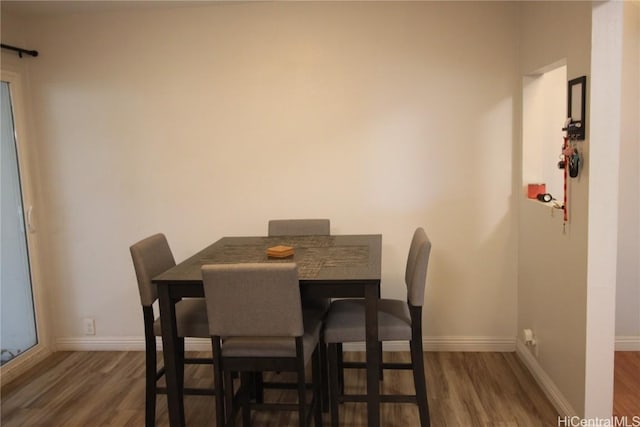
{"x":299,"y":227}
{"x":151,"y":256}
{"x":417,"y":263}
{"x":258,"y":300}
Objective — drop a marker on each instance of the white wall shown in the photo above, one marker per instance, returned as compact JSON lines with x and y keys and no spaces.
{"x":544,"y":109}
{"x":628,"y":281}
{"x":606,"y":88}
{"x":207,"y":121}
{"x":552,"y":264}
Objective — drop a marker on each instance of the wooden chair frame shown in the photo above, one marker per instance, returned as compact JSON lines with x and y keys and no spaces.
{"x":153,"y":373}
{"x":224,"y":367}
{"x":337,"y":366}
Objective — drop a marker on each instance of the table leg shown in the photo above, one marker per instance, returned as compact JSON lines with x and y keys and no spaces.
{"x":373,"y":356}
{"x":175,"y":396}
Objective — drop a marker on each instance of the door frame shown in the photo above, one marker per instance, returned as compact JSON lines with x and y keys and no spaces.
{"x":27,"y":167}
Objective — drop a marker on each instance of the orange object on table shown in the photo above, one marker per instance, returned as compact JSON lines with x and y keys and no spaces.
{"x":280,"y":251}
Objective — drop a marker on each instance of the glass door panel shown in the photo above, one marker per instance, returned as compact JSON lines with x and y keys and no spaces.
{"x":17,"y":317}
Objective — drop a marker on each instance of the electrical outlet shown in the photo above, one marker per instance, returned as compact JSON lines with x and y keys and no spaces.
{"x":89,"y":326}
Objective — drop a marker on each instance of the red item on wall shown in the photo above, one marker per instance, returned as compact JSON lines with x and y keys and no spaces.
{"x":534,"y":189}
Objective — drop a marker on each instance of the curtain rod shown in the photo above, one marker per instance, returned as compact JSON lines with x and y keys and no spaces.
{"x":20,"y":50}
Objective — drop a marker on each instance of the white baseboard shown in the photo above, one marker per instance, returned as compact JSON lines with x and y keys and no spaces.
{"x":461,"y":343}
{"x":23,"y":363}
{"x":497,"y":344}
{"x":100,"y":344}
{"x":454,"y":343}
{"x":554,"y":394}
{"x":122,"y":344}
{"x":628,"y":343}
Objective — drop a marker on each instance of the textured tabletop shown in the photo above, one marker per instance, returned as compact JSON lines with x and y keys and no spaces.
{"x":339,"y":257}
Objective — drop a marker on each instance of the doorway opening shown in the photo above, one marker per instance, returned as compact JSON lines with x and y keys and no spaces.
{"x":544,"y":111}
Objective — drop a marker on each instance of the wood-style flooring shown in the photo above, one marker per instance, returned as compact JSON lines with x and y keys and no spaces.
{"x":626,"y":385}
{"x":107,"y":389}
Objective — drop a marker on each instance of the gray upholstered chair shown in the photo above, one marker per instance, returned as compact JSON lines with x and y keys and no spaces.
{"x":299,"y":227}
{"x":397,"y":321}
{"x":257,"y":309}
{"x":151,"y":257}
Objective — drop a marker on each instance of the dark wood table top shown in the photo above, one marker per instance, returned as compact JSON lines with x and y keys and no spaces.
{"x":319,"y":258}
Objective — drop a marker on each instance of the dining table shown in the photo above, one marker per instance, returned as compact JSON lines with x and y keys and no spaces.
{"x":333,"y":266}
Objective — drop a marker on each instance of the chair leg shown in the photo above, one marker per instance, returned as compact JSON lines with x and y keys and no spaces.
{"x":380,"y":352}
{"x":324,"y":374}
{"x":228,"y":395}
{"x":245,"y":385}
{"x":219,"y":385}
{"x":419,"y":381}
{"x":333,"y":352}
{"x":180,"y":360}
{"x":150,"y":388}
{"x":257,"y":388}
{"x":302,"y":395}
{"x":316,"y":368}
{"x":340,"y":356}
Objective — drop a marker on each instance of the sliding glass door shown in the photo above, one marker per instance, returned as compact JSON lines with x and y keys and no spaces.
{"x":17,"y":316}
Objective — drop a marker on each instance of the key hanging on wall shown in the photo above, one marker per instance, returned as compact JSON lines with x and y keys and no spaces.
{"x":565,"y":210}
